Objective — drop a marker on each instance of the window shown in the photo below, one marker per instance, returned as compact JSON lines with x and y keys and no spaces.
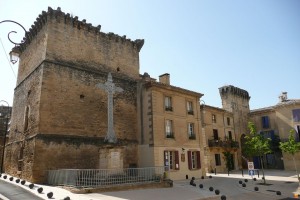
{"x":190,"y":108}
{"x":216,"y":135}
{"x":265,"y":122}
{"x":171,"y":159}
{"x":229,"y":135}
{"x":296,"y":115}
{"x":228,"y":121}
{"x":191,"y":131}
{"x":217,"y":159}
{"x":168,"y":104}
{"x":194,"y":160}
{"x":169,"y":129}
{"x":297,"y":133}
{"x":214,"y":119}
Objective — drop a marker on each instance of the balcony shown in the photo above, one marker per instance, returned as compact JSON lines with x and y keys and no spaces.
{"x":223,"y":143}
{"x":192,"y":136}
{"x":190,"y":112}
{"x":168,"y":108}
{"x":169,"y":135}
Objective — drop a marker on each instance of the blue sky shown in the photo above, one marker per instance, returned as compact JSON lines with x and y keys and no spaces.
{"x":203,"y":44}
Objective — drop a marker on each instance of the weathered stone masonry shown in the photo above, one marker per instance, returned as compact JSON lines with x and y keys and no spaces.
{"x":59,"y":119}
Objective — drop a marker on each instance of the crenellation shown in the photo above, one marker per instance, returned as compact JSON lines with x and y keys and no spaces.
{"x":60,"y":17}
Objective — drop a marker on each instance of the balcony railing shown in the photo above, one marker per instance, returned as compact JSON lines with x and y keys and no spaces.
{"x":190,"y":112}
{"x":169,"y":135}
{"x":192,"y":137}
{"x":169,"y":108}
{"x":223,"y":143}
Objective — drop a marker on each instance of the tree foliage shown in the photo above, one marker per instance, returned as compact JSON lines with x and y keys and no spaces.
{"x":256,"y":144}
{"x":290,"y":146}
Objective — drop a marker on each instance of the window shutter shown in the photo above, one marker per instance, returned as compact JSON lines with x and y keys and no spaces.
{"x":198,"y":160}
{"x":190,"y":159}
{"x":176,"y":160}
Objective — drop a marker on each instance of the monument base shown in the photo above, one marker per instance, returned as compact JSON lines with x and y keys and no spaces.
{"x":111,"y":157}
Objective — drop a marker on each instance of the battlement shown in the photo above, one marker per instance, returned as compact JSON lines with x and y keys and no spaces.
{"x":61,"y":17}
{"x":230,"y":89}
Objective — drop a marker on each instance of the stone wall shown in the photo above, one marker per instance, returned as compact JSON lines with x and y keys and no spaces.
{"x":71,"y":104}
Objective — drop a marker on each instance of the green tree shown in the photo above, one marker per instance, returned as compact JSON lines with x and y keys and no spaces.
{"x":228,"y":160}
{"x":291,"y":147}
{"x":257,"y":145}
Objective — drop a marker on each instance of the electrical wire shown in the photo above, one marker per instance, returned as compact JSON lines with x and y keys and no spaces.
{"x":8,"y":59}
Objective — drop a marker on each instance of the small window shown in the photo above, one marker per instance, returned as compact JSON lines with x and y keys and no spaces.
{"x":194,"y":161}
{"x":168,"y":104}
{"x":171,"y":160}
{"x":265,"y":122}
{"x":214,"y":119}
{"x":228,"y":121}
{"x":218,"y":159}
{"x":191,"y":131}
{"x":296,"y":115}
{"x":190,"y":110}
{"x":169,"y":129}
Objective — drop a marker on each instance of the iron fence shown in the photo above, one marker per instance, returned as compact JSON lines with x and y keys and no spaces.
{"x":104,"y":177}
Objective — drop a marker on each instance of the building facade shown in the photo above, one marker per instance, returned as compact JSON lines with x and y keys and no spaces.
{"x":60,"y":116}
{"x":171,"y":129}
{"x":218,"y":125}
{"x":275,"y":122}
{"x":5,"y":115}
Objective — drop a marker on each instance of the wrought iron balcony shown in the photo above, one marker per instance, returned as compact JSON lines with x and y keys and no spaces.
{"x":169,"y":108}
{"x":169,"y":135}
{"x":223,"y":143}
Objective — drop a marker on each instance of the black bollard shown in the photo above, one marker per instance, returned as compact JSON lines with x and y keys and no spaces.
{"x":23,"y":182}
{"x":40,"y":190}
{"x":67,"y":198}
{"x":31,"y":185}
{"x":223,"y":197}
{"x":211,"y":189}
{"x":278,"y":193}
{"x":217,"y":192}
{"x":50,"y":195}
{"x":256,"y":188}
{"x":200,"y":185}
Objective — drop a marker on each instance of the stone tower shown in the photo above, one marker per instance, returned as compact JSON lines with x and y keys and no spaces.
{"x":59,"y":117}
{"x":236,"y":100}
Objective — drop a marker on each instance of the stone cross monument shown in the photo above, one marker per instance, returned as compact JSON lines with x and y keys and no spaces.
{"x":110,"y":88}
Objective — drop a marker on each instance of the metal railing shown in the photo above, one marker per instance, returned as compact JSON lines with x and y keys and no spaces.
{"x":104,"y":177}
{"x":223,"y":143}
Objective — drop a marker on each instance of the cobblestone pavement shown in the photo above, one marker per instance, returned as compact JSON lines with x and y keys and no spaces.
{"x":231,"y":186}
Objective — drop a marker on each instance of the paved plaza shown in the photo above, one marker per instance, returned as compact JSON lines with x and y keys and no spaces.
{"x":230,"y":186}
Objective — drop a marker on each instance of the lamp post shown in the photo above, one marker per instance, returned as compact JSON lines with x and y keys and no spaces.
{"x":5,"y":134}
{"x":14,"y":54}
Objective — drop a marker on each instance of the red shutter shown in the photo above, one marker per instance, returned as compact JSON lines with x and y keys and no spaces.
{"x":198,"y":160}
{"x":189,"y":159}
{"x":176,"y":160}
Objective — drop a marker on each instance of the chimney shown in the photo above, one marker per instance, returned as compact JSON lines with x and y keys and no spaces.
{"x":283,"y":97}
{"x":165,"y":79}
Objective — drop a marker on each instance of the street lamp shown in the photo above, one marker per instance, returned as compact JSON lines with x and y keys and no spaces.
{"x":5,"y":134}
{"x":14,"y":54}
